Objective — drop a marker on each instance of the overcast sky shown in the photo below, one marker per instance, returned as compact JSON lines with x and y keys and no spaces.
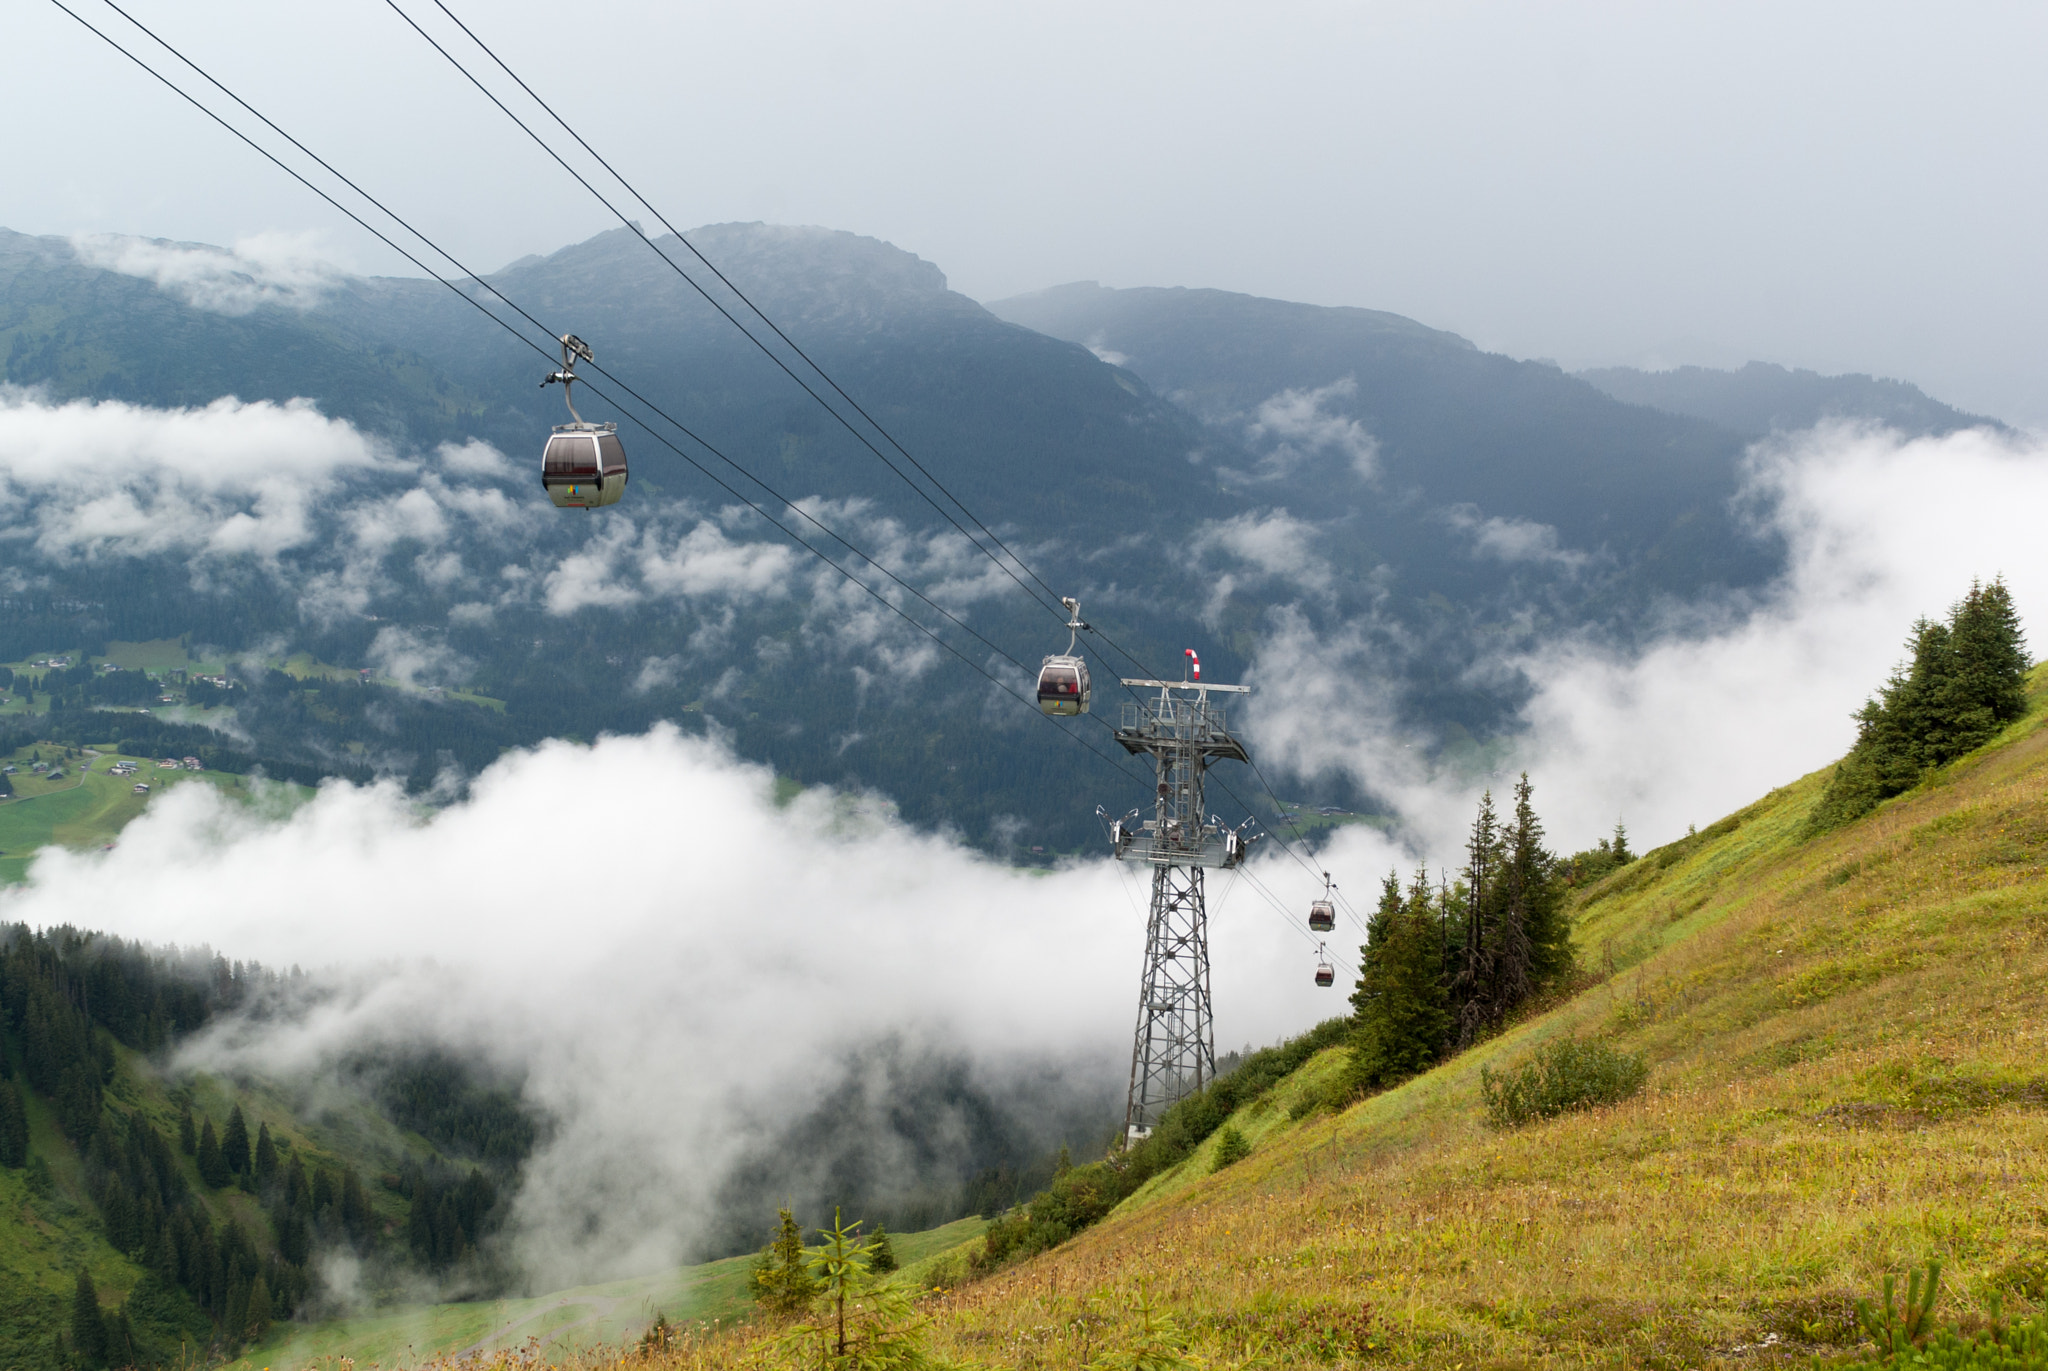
{"x":1841,"y":186}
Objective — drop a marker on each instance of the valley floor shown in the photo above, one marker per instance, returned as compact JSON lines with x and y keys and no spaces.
{"x":563,"y":1325}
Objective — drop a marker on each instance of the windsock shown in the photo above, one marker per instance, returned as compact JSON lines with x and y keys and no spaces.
{"x":1194,"y":662}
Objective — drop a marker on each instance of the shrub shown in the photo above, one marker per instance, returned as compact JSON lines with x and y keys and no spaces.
{"x":1563,"y":1075}
{"x":1230,"y":1148}
{"x":1904,"y":1335}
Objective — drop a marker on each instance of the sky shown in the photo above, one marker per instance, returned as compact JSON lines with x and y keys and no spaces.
{"x":1847,"y":187}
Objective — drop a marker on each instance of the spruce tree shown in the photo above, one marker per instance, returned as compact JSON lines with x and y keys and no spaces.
{"x":1988,"y":686}
{"x":259,"y":1309}
{"x":234,"y":1317}
{"x":265,"y":1157}
{"x":188,"y":1136}
{"x":1472,"y":987}
{"x":1963,"y":681}
{"x":13,"y":1126}
{"x":355,"y":1208}
{"x":1401,"y":1003}
{"x":1538,"y":889}
{"x":120,"y":1339}
{"x":882,"y":1256}
{"x":781,"y":1281}
{"x":88,"y":1324}
{"x":213,"y":1168}
{"x":234,"y":1143}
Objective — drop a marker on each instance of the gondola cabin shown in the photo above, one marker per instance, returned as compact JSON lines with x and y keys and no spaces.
{"x":584,"y":466}
{"x":1322,"y":916}
{"x":1063,"y":685}
{"x":1326,"y":975}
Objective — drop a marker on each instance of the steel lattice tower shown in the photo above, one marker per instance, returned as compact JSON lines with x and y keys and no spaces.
{"x":1174,"y":1049}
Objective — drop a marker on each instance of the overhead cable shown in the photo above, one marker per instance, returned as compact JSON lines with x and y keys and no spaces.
{"x":1119,"y":763}
{"x":697,"y":286}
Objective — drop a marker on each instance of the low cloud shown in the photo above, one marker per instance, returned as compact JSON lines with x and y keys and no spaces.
{"x":415,"y":659}
{"x":104,"y":478}
{"x":675,"y":1001}
{"x":284,"y":269}
{"x":1260,"y":548}
{"x":1098,"y":344}
{"x":1296,"y":424}
{"x":1513,"y":540}
{"x":705,"y":562}
{"x":1736,"y":696}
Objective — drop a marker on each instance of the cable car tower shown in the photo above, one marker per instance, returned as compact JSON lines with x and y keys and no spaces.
{"x":1174,"y":1050}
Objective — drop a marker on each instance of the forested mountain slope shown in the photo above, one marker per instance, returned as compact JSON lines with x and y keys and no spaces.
{"x":206,"y":1208}
{"x":1442,"y":426}
{"x":1237,"y":464}
{"x":1759,"y":399}
{"x":1844,"y":1037}
{"x":192,"y":1209}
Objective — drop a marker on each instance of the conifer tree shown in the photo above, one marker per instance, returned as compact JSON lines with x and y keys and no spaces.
{"x":234,"y":1142}
{"x":1400,"y":1003}
{"x":235,"y":1313}
{"x":88,"y":1324}
{"x":213,"y":1168}
{"x":265,"y":1156}
{"x":1988,"y":686}
{"x":355,"y":1208}
{"x":13,"y":1126}
{"x":1964,"y":680}
{"x":840,"y":1267}
{"x":78,"y":1101}
{"x":188,"y":1136}
{"x":780,"y":1280}
{"x":1537,"y":892}
{"x":882,"y":1257}
{"x":259,"y":1309}
{"x":120,"y":1339}
{"x":1472,"y":987}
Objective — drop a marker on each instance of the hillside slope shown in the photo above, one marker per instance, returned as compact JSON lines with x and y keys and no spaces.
{"x":1846,"y":1044}
{"x":1759,"y":399}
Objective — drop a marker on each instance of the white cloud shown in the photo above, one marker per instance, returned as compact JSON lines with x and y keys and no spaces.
{"x":104,"y":478}
{"x":1097,"y":344}
{"x":591,"y":577}
{"x":1273,"y":546}
{"x":415,"y":659}
{"x":706,"y":562}
{"x":665,"y":997}
{"x":1735,"y":698}
{"x":1297,"y":424}
{"x":1513,"y":540}
{"x":415,"y":515}
{"x":287,"y":269}
{"x":475,"y":458}
{"x":656,"y":672}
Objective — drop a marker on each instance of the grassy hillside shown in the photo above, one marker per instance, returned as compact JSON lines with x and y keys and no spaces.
{"x":89,"y":807}
{"x":560,"y":1324}
{"x":1846,"y":1038}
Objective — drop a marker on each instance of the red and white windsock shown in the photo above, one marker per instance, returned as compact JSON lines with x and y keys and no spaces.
{"x":1194,"y":663}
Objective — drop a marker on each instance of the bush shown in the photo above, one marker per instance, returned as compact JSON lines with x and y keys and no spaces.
{"x":1563,"y":1075}
{"x":1904,"y":1335}
{"x":1230,"y":1148}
